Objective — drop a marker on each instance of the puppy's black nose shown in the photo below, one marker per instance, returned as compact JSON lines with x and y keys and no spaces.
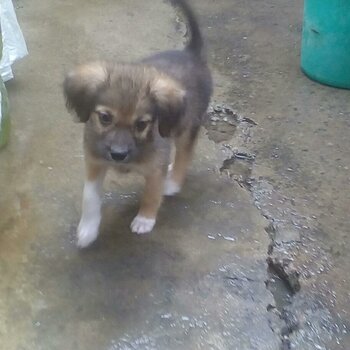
{"x":119,"y":156}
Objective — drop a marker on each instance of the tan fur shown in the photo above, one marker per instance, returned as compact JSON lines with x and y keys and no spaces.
{"x":167,"y":90}
{"x":152,"y":196}
{"x":93,"y":169}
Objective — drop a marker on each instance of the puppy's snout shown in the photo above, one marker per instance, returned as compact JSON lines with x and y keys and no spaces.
{"x":119,"y":155}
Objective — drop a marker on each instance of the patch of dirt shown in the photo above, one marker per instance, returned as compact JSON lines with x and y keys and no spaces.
{"x":223,"y":122}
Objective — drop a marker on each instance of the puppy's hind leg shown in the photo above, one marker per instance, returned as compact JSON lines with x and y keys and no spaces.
{"x":92,"y":201}
{"x":150,"y":203}
{"x":184,"y":150}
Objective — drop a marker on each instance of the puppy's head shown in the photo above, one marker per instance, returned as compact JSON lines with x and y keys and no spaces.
{"x":125,"y":107}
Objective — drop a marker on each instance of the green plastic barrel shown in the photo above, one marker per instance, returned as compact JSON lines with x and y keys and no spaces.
{"x":4,"y":109}
{"x":4,"y":116}
{"x":325,"y":47}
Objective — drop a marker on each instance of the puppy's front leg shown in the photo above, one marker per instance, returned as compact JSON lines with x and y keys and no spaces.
{"x":150,"y":203}
{"x":92,"y":202}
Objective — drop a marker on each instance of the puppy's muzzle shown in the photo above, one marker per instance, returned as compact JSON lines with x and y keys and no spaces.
{"x":119,"y":156}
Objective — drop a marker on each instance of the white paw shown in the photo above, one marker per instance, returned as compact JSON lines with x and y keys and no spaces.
{"x":141,"y":225}
{"x":171,"y":187}
{"x":87,"y":232}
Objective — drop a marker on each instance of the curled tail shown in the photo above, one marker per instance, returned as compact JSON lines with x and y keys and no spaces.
{"x":195,"y":44}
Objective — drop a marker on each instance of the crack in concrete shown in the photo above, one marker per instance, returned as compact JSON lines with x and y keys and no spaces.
{"x":283,"y":282}
{"x":292,"y":254}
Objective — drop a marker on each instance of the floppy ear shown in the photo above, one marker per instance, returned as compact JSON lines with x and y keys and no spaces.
{"x":81,"y":86}
{"x":169,"y":100}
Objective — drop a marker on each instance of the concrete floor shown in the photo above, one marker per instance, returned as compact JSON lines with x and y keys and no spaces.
{"x":200,"y":280}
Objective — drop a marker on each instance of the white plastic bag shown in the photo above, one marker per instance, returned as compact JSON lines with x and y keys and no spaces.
{"x":14,"y":46}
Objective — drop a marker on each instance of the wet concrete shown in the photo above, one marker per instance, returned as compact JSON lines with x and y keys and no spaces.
{"x":198,"y":281}
{"x":274,"y":174}
{"x":300,"y":178}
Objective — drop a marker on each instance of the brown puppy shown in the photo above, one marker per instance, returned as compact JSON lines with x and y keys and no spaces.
{"x":132,"y":112}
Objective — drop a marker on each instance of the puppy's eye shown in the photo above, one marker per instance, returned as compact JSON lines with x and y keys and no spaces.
{"x":105,"y":118}
{"x":141,"y":125}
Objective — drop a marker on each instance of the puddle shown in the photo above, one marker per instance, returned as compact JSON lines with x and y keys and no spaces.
{"x":222,"y":123}
{"x":164,"y":290}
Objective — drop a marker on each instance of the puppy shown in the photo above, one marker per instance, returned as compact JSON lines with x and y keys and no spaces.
{"x":132,"y":114}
